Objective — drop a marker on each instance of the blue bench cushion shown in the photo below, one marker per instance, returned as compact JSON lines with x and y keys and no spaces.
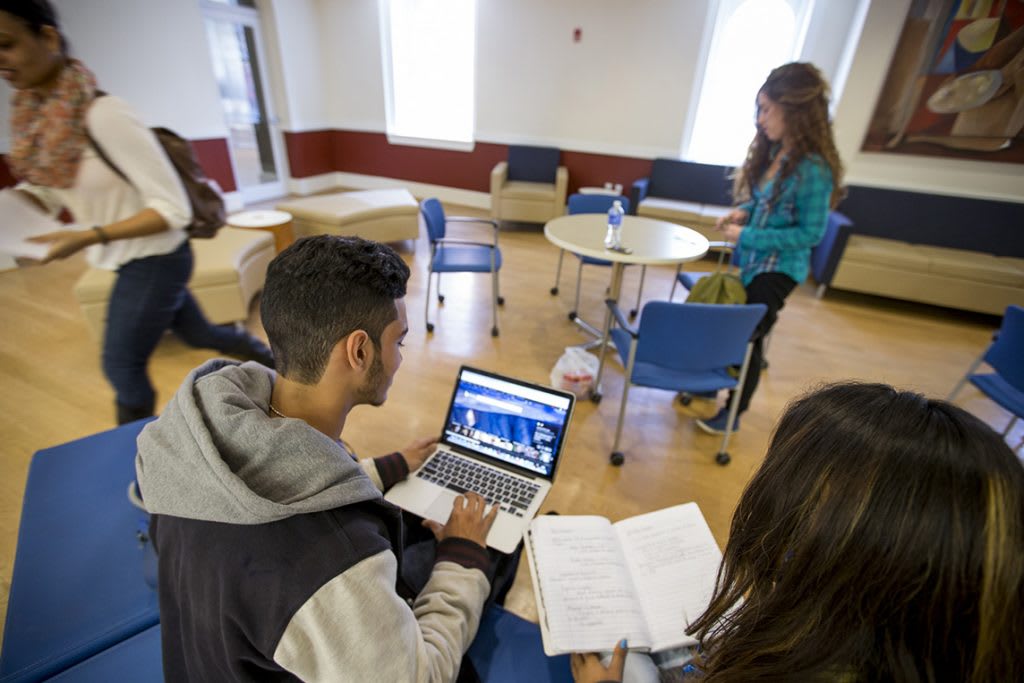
{"x":136,"y":659}
{"x":508,"y":649}
{"x":690,"y":182}
{"x":78,"y":586}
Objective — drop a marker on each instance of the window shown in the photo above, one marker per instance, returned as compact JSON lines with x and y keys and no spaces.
{"x":749,"y":39}
{"x":429,"y":55}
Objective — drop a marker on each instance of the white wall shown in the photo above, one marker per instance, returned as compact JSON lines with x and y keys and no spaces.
{"x":152,"y":53}
{"x":624,"y":89}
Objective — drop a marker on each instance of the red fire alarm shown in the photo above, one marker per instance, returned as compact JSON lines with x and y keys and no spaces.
{"x":577,"y":34}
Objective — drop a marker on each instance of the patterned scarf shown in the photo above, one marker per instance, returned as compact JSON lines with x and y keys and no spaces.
{"x":48,"y":128}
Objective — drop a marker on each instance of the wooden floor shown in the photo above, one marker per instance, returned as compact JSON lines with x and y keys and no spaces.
{"x":53,"y":389}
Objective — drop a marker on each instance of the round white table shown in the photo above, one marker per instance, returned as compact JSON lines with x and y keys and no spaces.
{"x":648,"y":242}
{"x":277,"y":222}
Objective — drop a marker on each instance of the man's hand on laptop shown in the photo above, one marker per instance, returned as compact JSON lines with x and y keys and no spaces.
{"x":418,"y":451}
{"x":469,"y":520}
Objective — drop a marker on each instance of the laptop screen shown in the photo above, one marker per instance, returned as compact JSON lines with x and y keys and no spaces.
{"x":517,"y":423}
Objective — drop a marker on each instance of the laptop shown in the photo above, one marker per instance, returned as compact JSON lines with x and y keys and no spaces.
{"x":503,"y":439}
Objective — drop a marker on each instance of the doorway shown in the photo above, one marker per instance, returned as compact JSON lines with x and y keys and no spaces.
{"x":254,"y":140}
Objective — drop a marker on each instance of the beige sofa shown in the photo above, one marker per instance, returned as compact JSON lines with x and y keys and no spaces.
{"x":700,"y":217}
{"x":956,"y":278}
{"x":382,"y":215}
{"x":229,"y":270}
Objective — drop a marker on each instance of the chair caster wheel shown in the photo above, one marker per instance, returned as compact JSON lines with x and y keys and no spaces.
{"x":440,"y":298}
{"x":494,"y":331}
{"x":572,"y":316}
{"x":430,"y":327}
{"x":595,"y":397}
{"x":617,"y":458}
{"x":554,"y":291}
{"x":685,"y":399}
{"x":722,"y":458}
{"x":501,"y":301}
{"x":632,"y":313}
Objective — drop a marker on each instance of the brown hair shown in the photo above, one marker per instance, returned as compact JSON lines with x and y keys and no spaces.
{"x":802,"y":93}
{"x":881,"y":539}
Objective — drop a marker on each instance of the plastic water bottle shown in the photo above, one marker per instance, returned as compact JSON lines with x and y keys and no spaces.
{"x":613,"y":238}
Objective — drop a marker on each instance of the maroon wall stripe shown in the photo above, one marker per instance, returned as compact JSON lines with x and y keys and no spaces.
{"x":213,"y":156}
{"x":316,"y":152}
{"x":6,"y":179}
{"x":310,"y":153}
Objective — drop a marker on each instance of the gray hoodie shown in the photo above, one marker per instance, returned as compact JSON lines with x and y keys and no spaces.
{"x":278,"y":558}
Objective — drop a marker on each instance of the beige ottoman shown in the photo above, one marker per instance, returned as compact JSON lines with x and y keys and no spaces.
{"x":229,"y":270}
{"x":382,"y":215}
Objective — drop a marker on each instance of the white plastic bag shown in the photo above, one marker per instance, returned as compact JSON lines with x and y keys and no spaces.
{"x":575,"y":372}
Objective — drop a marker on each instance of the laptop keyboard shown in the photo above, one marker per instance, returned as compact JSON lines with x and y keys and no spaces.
{"x":512,"y":494}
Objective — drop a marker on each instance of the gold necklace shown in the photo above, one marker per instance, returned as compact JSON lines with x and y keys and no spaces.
{"x":275,"y":411}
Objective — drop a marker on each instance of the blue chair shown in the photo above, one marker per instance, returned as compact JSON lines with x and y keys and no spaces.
{"x":593,"y":203}
{"x":688,"y":279}
{"x":687,"y":348}
{"x":1005,"y":355}
{"x":825,"y":257}
{"x":451,"y":255}
{"x":80,"y":583}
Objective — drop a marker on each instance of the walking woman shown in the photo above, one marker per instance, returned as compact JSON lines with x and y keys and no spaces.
{"x":790,"y":180}
{"x":137,"y":226}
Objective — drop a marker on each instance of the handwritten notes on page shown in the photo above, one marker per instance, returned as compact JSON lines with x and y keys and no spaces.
{"x":588,"y":598}
{"x":644,"y":578}
{"x":673,"y":559}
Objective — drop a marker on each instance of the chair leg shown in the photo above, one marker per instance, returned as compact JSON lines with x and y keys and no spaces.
{"x":617,"y":456}
{"x":440,"y":296}
{"x":494,"y":303}
{"x":639,"y":292}
{"x":820,"y":292}
{"x":675,"y":281}
{"x":576,"y":303}
{"x":723,"y":457}
{"x":426,"y":308}
{"x":558,"y":272}
{"x":967,"y":375}
{"x":1009,"y":426}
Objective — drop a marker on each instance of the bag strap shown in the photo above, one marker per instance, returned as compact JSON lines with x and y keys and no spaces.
{"x":99,"y":150}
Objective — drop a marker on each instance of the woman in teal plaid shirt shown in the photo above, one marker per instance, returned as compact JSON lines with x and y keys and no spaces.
{"x":790,"y":180}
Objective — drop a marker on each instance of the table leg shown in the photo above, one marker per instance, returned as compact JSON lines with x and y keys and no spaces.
{"x":615,"y":288}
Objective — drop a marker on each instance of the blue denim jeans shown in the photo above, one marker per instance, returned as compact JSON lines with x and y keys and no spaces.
{"x":151,"y":296}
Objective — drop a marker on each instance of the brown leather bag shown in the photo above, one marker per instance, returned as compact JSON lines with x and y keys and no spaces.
{"x":208,"y":213}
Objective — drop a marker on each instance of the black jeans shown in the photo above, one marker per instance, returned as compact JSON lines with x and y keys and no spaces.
{"x":770,"y":289}
{"x":150,"y":296}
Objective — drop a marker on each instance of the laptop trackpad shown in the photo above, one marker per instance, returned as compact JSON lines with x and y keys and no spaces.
{"x":441,"y":509}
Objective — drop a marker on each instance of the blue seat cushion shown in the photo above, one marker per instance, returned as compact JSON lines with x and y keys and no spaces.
{"x":533,"y":164}
{"x":508,"y":649}
{"x":670,"y":379}
{"x":1000,"y":391}
{"x":464,"y":259}
{"x":137,"y":660}
{"x":77,"y":586}
{"x":688,"y":280}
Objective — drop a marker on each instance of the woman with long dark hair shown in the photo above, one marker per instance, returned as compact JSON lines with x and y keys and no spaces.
{"x":790,"y":180}
{"x":882,"y":539}
{"x":137,"y":222}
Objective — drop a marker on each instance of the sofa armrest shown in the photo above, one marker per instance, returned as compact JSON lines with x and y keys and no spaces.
{"x":561,"y":189}
{"x":825,"y":257}
{"x":638,"y":194}
{"x":499,"y":174}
